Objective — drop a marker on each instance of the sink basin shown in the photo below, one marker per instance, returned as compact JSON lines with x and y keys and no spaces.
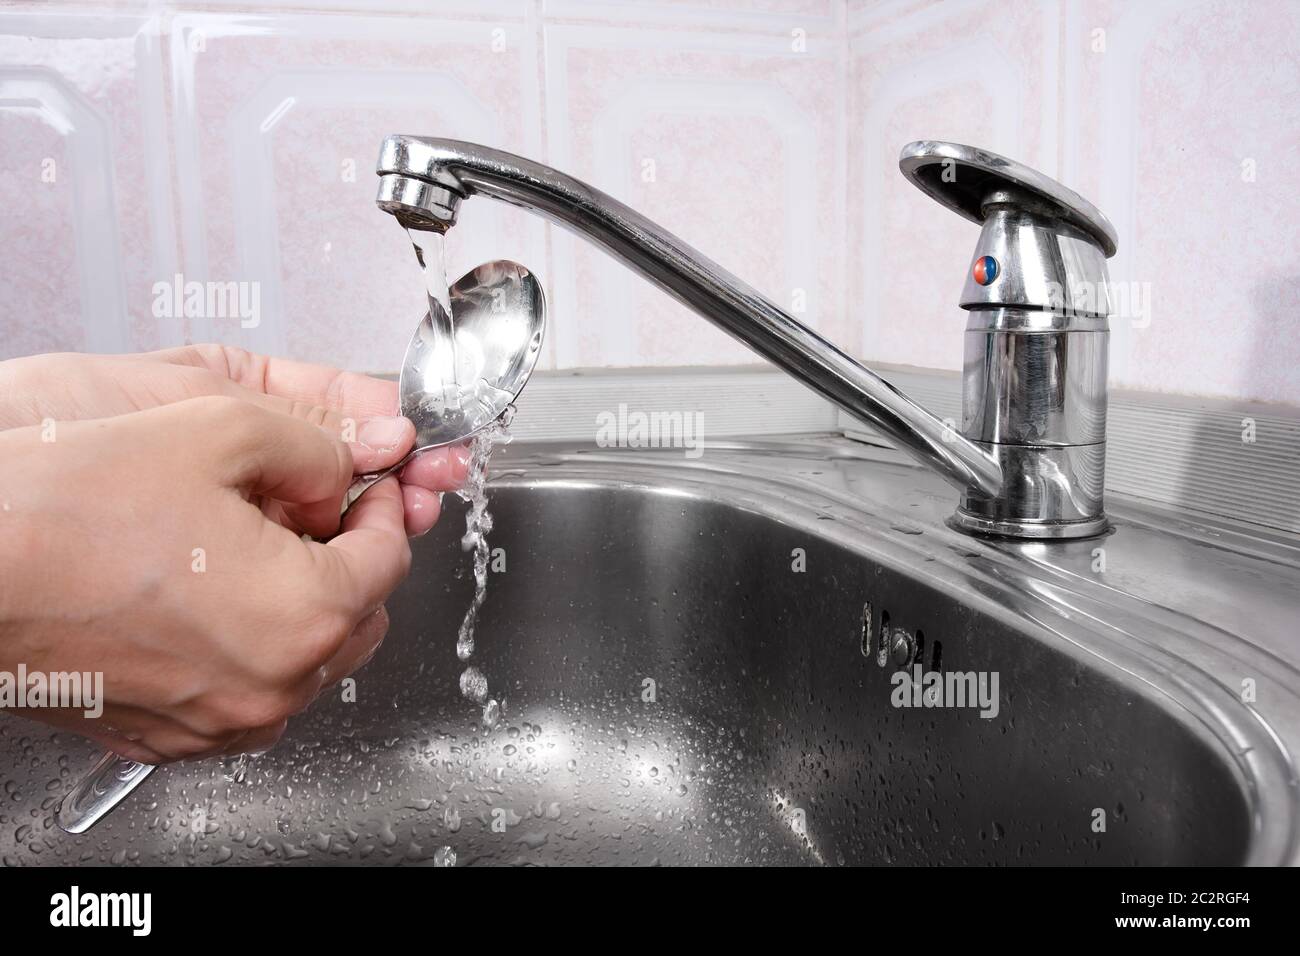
{"x":697,"y":665}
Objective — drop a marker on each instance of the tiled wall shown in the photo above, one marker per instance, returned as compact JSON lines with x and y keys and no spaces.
{"x":1180,"y":119}
{"x":235,"y":143}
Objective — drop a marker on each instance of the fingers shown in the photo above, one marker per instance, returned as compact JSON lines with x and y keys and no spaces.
{"x":376,"y":443}
{"x":365,"y":563}
{"x":425,"y":479}
{"x":280,"y":457}
{"x":130,"y":749}
{"x":160,"y":741}
{"x":355,"y":408}
{"x":346,"y":392}
{"x":421,"y":508}
{"x":256,"y":741}
{"x":359,"y":648}
{"x":381,"y":443}
{"x":113,"y":741}
{"x":358,"y":409}
{"x":438,"y":469}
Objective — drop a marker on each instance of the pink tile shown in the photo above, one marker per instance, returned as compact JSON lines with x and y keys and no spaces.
{"x":1207,"y":89}
{"x":87,"y":228}
{"x":279,"y":121}
{"x":732,"y":145}
{"x":968,"y":73}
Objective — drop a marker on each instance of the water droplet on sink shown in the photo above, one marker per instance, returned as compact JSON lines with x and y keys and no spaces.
{"x":444,"y":856}
{"x":473,"y":684}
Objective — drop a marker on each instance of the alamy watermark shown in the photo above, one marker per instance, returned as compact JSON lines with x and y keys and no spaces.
{"x":1120,"y":300}
{"x":946,"y":689}
{"x":75,"y":908}
{"x":177,"y":298}
{"x":657,"y":429}
{"x":70,"y":690}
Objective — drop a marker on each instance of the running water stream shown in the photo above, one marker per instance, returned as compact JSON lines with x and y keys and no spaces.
{"x":429,"y":252}
{"x":478,"y":523}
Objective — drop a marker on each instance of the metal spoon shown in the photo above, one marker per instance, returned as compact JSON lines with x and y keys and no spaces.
{"x":499,"y":316}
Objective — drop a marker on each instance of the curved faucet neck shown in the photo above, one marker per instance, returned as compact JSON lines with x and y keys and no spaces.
{"x":447,"y":171}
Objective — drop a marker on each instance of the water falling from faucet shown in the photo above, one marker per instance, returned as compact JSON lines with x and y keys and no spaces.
{"x":478,"y":523}
{"x":430,"y":253}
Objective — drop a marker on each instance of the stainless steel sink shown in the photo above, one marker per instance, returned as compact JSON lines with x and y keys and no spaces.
{"x":676,"y":691}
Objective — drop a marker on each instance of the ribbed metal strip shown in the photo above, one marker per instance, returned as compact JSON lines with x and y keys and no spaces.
{"x":565,"y":406}
{"x":1186,"y":453}
{"x":1182,"y":452}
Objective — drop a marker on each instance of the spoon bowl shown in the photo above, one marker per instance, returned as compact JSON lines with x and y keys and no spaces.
{"x":498,"y":317}
{"x":454,"y":385}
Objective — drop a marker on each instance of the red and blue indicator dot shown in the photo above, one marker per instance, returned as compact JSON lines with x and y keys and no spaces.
{"x":985,"y":270}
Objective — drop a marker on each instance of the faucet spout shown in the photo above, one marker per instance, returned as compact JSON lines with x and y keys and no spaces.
{"x":422,"y":181}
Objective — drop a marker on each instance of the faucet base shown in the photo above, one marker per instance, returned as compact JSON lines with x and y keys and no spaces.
{"x":1048,"y":492}
{"x":1036,"y":530}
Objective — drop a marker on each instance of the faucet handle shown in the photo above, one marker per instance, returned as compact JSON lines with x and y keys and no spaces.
{"x":1043,"y":247}
{"x":972,"y":181}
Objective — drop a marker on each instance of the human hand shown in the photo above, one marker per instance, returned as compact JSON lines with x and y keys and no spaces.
{"x":135,"y":546}
{"x":65,"y":387}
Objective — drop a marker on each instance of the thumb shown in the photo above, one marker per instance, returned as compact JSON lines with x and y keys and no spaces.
{"x":268,"y":454}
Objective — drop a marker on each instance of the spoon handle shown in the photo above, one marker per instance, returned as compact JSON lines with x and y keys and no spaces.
{"x":107,"y":785}
{"x":364,"y":483}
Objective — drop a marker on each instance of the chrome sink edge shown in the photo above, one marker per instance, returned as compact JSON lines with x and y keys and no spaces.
{"x":835,"y":489}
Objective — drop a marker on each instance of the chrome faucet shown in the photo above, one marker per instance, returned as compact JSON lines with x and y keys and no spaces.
{"x":1030,"y":456}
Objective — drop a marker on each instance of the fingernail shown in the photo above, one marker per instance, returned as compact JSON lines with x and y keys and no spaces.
{"x":383,"y":434}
